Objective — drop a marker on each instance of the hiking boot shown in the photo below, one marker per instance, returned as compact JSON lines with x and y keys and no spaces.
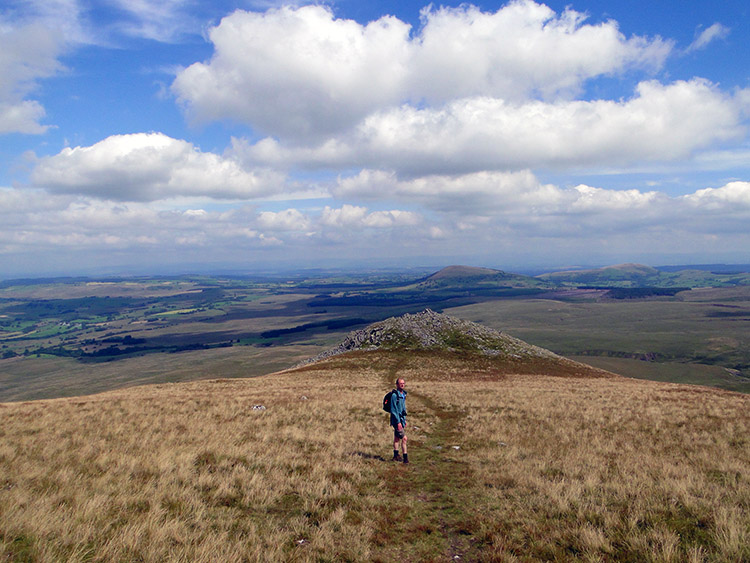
{"x":397,"y":457}
{"x":406,"y":458}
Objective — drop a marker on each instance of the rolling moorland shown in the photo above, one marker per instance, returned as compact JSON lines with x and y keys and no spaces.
{"x":517,"y":454}
{"x":67,"y":337}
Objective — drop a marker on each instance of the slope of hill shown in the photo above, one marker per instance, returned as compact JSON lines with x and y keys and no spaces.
{"x":432,"y":332}
{"x":464,"y":272}
{"x":508,"y":463}
{"x":635,"y":273}
{"x":455,"y":277}
{"x":638,"y":275}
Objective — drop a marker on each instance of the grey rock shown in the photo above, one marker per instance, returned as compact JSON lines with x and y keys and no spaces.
{"x":429,"y":330}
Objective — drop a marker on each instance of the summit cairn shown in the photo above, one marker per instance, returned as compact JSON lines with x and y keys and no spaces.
{"x":429,"y":330}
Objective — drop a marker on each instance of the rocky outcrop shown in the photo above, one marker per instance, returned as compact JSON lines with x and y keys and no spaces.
{"x":429,"y":330}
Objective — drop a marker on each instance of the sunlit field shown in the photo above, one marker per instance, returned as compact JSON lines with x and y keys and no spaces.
{"x":508,"y":463}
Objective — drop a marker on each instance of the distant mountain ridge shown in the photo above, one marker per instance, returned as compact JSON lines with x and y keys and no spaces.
{"x":713,"y":268}
{"x":617,"y":272}
{"x":639,"y":275}
{"x":627,"y":275}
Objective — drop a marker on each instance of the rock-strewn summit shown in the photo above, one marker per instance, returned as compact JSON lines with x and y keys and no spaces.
{"x":429,"y":330}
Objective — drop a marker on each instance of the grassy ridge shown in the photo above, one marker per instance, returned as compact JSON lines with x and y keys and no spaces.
{"x":638,"y":275}
{"x":508,"y":465}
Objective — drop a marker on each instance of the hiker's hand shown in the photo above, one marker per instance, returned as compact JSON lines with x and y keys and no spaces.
{"x":400,"y":427}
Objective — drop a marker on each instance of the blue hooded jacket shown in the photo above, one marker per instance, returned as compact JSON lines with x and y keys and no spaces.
{"x":398,"y":408}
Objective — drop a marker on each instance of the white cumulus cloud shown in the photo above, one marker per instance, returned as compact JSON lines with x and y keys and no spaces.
{"x":523,"y":49}
{"x":302,"y":73}
{"x":28,"y":54}
{"x":357,"y":217}
{"x":455,"y":194}
{"x":475,"y":200}
{"x":733,"y":195}
{"x":659,"y":123}
{"x":512,"y":211}
{"x":148,"y":167}
{"x":297,"y":71}
{"x":286,"y":220}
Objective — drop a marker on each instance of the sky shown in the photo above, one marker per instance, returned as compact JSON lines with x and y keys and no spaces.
{"x":178,"y":136}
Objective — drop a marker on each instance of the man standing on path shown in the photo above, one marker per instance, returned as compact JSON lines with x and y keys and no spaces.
{"x":398,"y":420}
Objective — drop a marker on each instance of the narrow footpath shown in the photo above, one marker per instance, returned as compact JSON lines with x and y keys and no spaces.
{"x":434,"y":495}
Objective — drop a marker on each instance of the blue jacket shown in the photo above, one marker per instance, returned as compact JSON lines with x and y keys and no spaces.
{"x":398,"y":408}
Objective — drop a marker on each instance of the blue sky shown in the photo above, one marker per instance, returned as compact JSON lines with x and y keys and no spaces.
{"x":170,"y":136}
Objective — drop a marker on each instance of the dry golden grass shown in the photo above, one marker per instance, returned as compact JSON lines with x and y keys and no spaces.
{"x":508,"y":464}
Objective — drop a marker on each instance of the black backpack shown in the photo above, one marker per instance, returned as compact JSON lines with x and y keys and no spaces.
{"x":387,"y":400}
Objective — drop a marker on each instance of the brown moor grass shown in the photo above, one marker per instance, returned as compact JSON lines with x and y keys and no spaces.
{"x":509,"y":463}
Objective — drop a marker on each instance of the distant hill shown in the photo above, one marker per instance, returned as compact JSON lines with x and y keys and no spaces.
{"x":639,"y":275}
{"x":713,"y":268}
{"x":465,"y":272}
{"x":607,"y":275}
{"x":469,"y":277}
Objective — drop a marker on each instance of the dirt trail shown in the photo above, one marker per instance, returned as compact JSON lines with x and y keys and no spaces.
{"x":435,"y":492}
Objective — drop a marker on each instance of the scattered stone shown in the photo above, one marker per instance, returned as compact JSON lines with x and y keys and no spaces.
{"x":303,"y":398}
{"x":502,"y":444}
{"x":456,"y":447}
{"x":735,"y":373}
{"x":429,"y":330}
{"x":259,"y":408}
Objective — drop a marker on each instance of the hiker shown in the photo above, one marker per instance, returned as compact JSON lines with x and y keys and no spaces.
{"x":398,"y":420}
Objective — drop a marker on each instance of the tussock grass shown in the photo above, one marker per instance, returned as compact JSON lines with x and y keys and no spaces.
{"x":509,"y":463}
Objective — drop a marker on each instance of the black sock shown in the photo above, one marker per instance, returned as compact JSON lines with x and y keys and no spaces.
{"x":406,"y":458}
{"x":395,"y":453}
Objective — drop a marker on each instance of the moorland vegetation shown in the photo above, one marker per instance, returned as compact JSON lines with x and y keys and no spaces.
{"x":516,"y":456}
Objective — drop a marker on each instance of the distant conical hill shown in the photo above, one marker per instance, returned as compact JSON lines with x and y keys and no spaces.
{"x":430,"y":333}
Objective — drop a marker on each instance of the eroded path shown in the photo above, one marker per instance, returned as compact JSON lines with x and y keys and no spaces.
{"x":435,"y":494}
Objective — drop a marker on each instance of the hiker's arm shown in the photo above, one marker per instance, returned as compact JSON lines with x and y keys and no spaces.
{"x":394,"y":410}
{"x":402,"y":417}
